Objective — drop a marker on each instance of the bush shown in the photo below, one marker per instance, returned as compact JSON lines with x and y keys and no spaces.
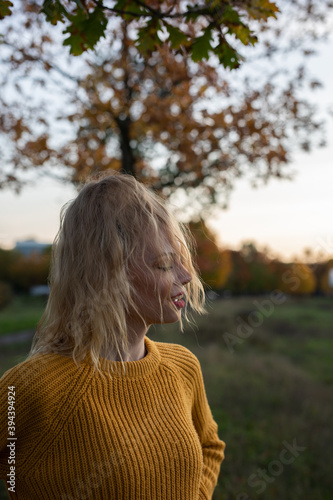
{"x":6,"y":294}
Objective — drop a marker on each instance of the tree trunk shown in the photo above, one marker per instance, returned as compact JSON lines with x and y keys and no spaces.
{"x":127,"y":156}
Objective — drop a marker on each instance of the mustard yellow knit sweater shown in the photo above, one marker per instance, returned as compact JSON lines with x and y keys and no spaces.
{"x":146,"y":434}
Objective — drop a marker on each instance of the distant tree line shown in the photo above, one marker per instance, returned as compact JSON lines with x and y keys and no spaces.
{"x":225,"y":271}
{"x":19,"y":273}
{"x":250,"y":271}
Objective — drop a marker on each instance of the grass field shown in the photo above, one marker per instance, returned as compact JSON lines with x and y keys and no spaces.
{"x":269,"y":381}
{"x":22,"y":314}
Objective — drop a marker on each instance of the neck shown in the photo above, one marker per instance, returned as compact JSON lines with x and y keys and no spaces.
{"x":136,"y":347}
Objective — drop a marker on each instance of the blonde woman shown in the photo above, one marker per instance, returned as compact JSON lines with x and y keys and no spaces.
{"x":102,"y":411}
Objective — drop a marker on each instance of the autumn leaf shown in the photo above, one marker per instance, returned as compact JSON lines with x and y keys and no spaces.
{"x":243,"y":33}
{"x":85,"y":31}
{"x":176,"y":37}
{"x":131,"y":8}
{"x":148,"y":37}
{"x":262,"y":9}
{"x":228,"y":56}
{"x":5,"y":6}
{"x":222,"y":16}
{"x":236,"y":27}
{"x":121,"y":4}
{"x":230,"y":15}
{"x":54,"y":11}
{"x":201,"y":46}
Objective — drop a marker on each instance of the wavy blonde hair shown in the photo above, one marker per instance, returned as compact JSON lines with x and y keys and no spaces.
{"x":102,"y":235}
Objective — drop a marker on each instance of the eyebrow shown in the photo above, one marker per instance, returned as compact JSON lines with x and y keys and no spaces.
{"x":167,"y":254}
{"x":171,"y":255}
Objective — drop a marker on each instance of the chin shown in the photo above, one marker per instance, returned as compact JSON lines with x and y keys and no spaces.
{"x":171,"y":318}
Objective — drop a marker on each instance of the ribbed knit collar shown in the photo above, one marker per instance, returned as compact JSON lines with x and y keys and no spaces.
{"x":134,"y":369}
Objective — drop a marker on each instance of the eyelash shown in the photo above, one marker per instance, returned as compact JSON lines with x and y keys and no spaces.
{"x":163,"y":268}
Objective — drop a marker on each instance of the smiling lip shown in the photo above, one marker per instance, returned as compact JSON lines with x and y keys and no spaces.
{"x":179,"y":301}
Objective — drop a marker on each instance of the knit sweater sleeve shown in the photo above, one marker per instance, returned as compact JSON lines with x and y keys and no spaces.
{"x":27,"y":416}
{"x":212,"y":446}
{"x":3,"y":426}
{"x":12,"y":416}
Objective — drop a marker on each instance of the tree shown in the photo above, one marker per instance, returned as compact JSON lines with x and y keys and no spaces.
{"x":252,"y":271}
{"x":323,"y":272}
{"x":21,"y":272}
{"x":214,"y":264}
{"x":198,"y":30}
{"x":180,"y":126}
{"x":297,"y":279}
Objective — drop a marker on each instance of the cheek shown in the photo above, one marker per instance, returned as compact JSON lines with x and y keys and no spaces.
{"x":165,"y":288}
{"x":149,"y":289}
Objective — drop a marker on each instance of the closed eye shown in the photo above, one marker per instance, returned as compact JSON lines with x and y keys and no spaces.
{"x":165,"y":268}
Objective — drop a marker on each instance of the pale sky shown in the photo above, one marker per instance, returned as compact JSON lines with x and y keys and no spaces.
{"x":289,"y":216}
{"x":286,"y":216}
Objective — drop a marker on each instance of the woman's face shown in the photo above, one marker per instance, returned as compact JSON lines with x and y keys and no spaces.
{"x":160,"y":289}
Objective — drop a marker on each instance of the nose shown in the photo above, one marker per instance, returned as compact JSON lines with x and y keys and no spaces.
{"x":183,"y":275}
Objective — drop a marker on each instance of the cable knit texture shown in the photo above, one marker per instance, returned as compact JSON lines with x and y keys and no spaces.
{"x":146,"y":433}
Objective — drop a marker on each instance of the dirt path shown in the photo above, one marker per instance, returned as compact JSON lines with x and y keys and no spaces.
{"x":16,"y":337}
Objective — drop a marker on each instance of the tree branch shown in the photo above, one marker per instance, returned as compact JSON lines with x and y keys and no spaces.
{"x":46,"y":63}
{"x":154,"y":13}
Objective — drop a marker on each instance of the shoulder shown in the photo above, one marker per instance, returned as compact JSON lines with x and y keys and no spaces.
{"x":39,"y":385}
{"x":175,"y":352}
{"x":28,"y":384}
{"x":44,"y":378}
{"x":180,"y":359}
{"x":38,"y":368}
{"x":26,"y":372}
